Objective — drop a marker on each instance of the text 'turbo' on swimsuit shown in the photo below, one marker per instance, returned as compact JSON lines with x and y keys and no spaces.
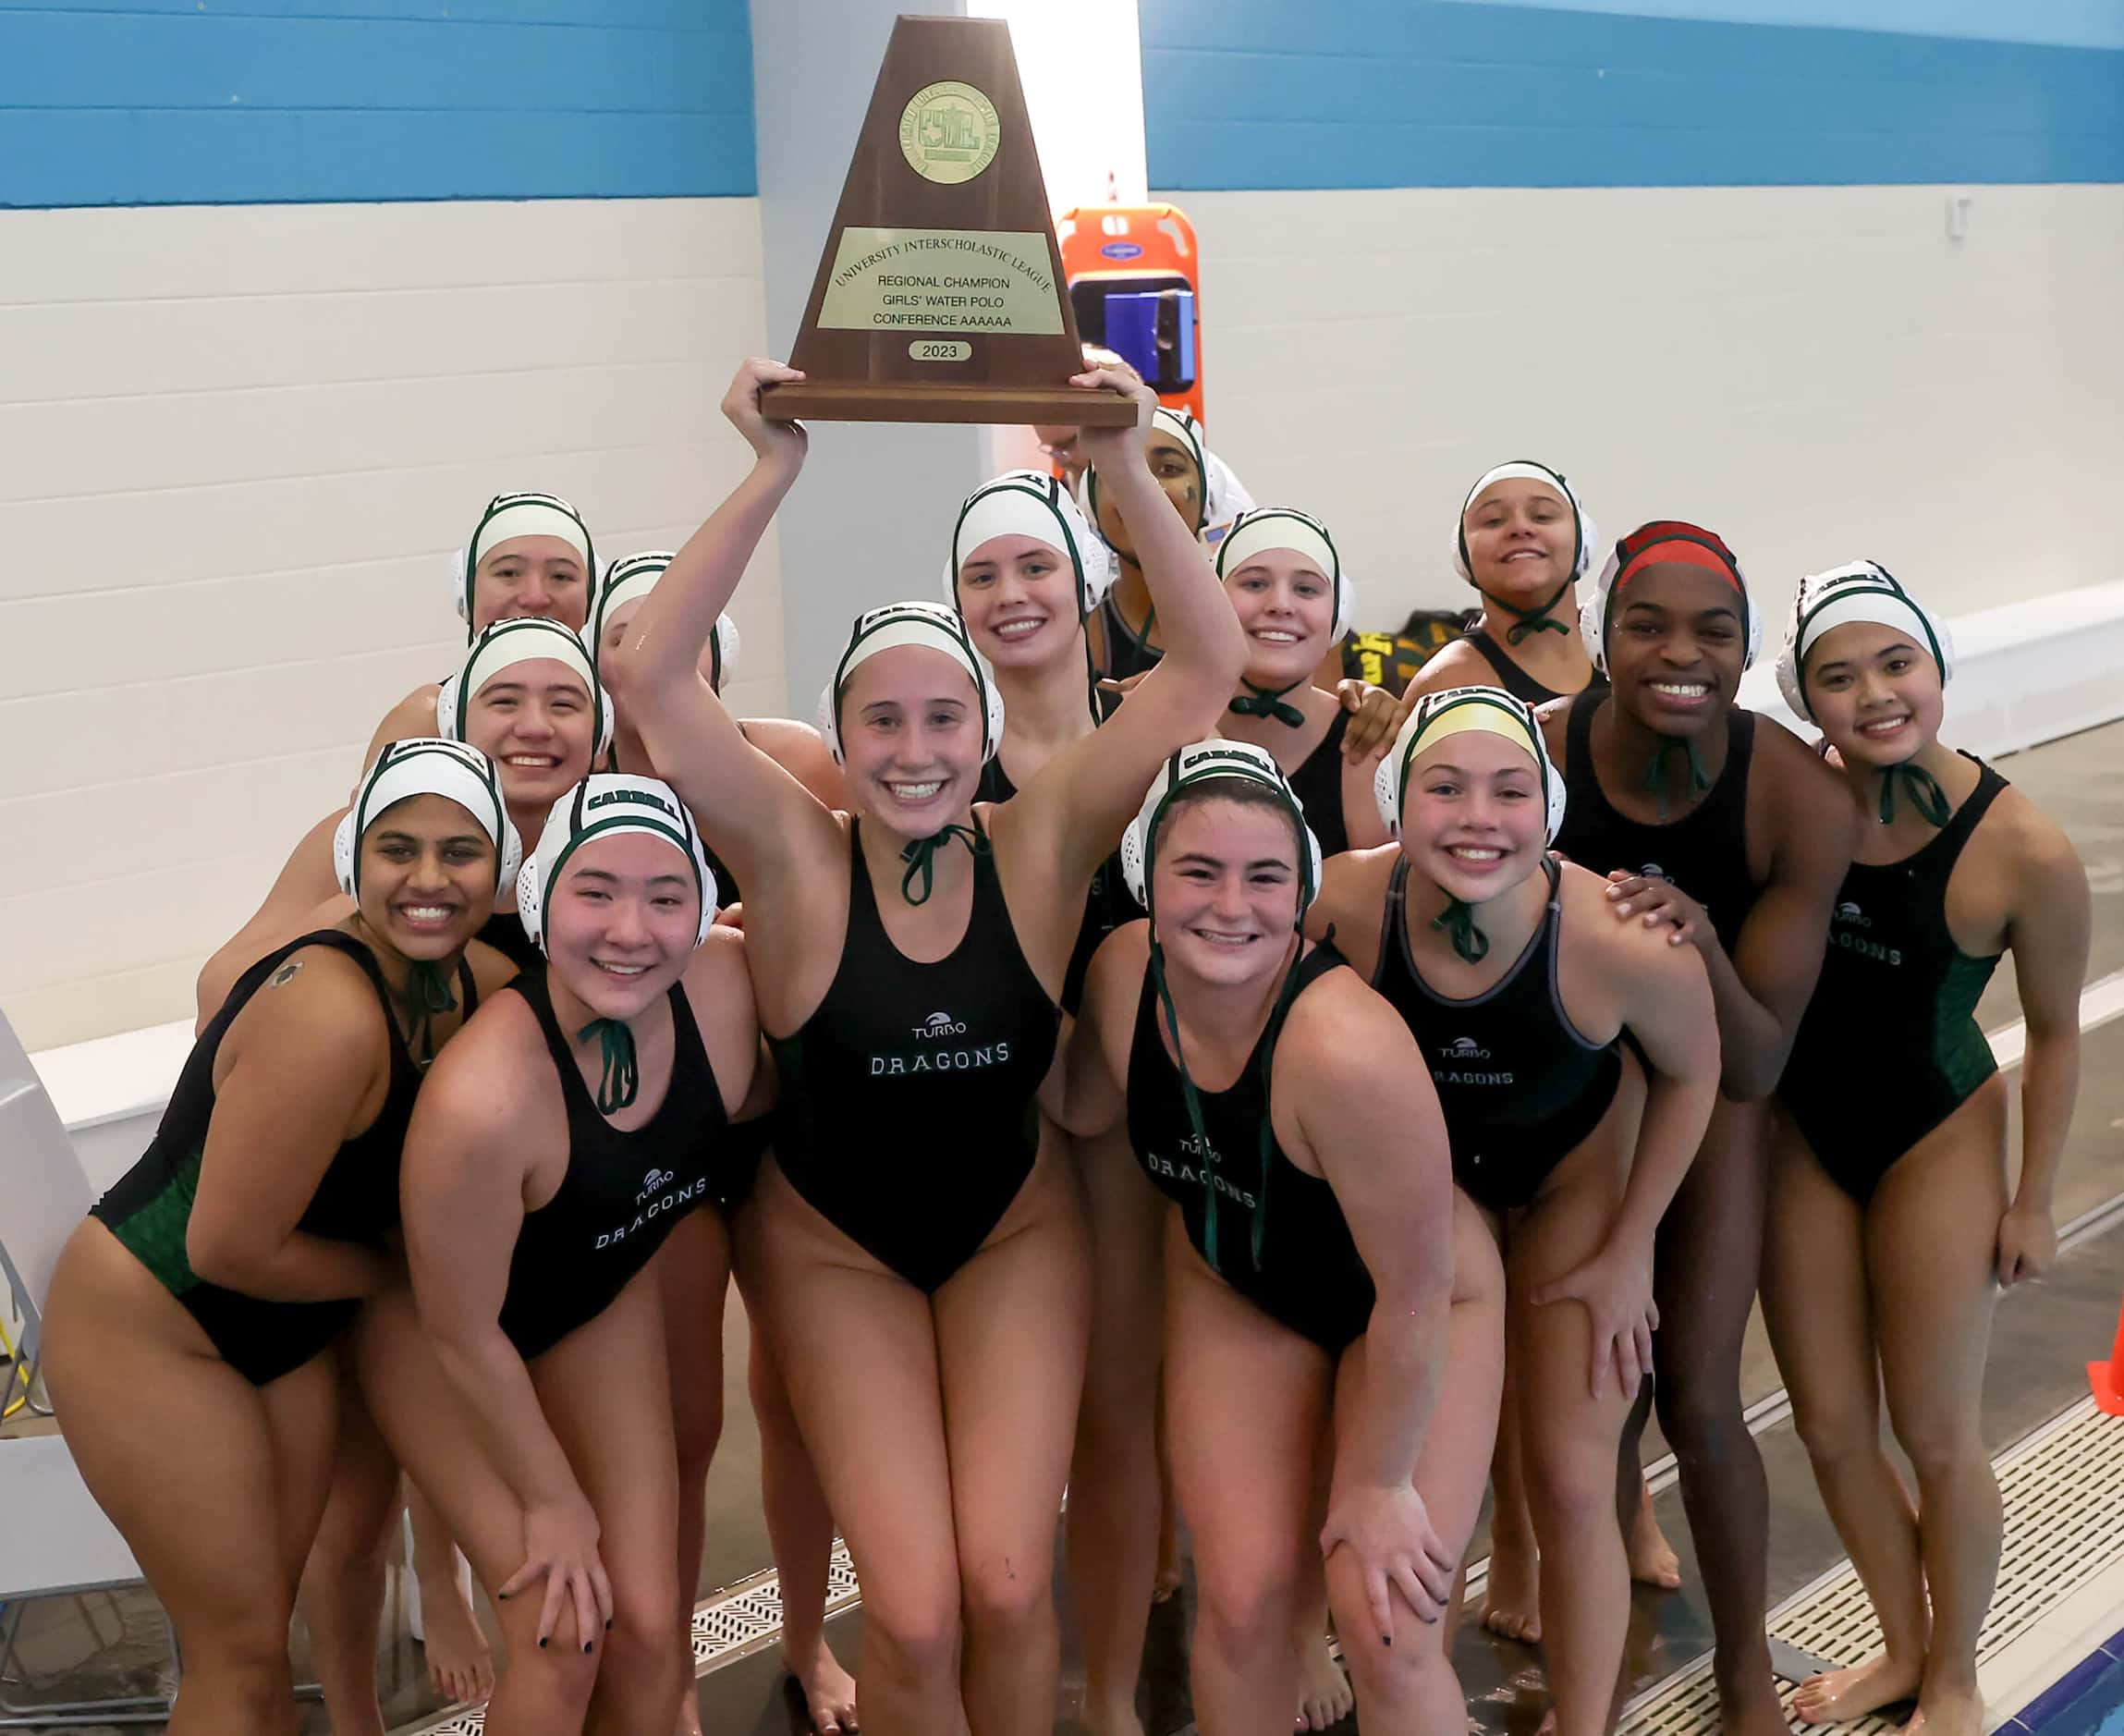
{"x":622,"y":1192}
{"x":357,"y":1199}
{"x":909,"y":1118}
{"x":1889,"y":1046}
{"x":1520,"y":1086}
{"x":1310,"y":1277}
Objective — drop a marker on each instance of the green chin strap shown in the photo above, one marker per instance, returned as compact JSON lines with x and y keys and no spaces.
{"x":1534,"y":620}
{"x":1456,"y":922}
{"x":1920,"y":788}
{"x":1656,"y":780}
{"x":428,"y":993}
{"x":622,"y":1076}
{"x":920,"y":859}
{"x":1263,"y":702}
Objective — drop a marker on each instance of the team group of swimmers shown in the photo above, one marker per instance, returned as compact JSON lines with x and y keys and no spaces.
{"x":1196,"y":1087}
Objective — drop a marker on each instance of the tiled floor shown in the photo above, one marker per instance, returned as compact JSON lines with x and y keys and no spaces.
{"x":2043,"y":1336}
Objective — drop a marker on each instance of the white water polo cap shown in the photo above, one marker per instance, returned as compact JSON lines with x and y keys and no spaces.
{"x":511,"y":516}
{"x":1183,"y":427}
{"x":611,"y":805}
{"x":1263,"y":528}
{"x":1527,"y":470}
{"x":427,"y":765}
{"x":1862,"y":591}
{"x":634,"y":576}
{"x":1203,"y":763}
{"x":521,"y":639}
{"x":1449,"y":711}
{"x":1031,"y":503}
{"x":925,"y":624}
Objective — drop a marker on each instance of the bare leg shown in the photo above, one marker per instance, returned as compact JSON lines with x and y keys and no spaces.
{"x":855,"y":1341}
{"x":800,"y":1532}
{"x":1012,"y":1325}
{"x":1172,"y":1570}
{"x":1511,"y":1600}
{"x":148,"y":1407}
{"x":460,"y":1662}
{"x":1709,"y":1253}
{"x":1115,"y":1519}
{"x":1931,"y":1246}
{"x":342,"y":1594}
{"x":1568,"y":1439}
{"x":1816,"y":1305}
{"x":1246,"y":1402}
{"x":693,"y":1273}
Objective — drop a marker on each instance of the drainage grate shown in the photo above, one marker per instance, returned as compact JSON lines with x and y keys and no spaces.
{"x":2064,"y":1525}
{"x":736,"y":1623}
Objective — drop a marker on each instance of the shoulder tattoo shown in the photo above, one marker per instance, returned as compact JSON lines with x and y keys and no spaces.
{"x":286,"y":974}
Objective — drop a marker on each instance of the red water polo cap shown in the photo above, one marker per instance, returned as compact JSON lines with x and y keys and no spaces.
{"x":1675,"y":540}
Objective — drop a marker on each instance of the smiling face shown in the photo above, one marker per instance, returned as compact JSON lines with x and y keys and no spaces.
{"x":427,"y":876}
{"x":1286,"y":605}
{"x":621,"y":922}
{"x":1019,"y":596}
{"x":536,"y":720}
{"x":1522,"y":539}
{"x":1224,"y":885}
{"x":1473,"y":818}
{"x":911,"y":726}
{"x":1676,"y":643}
{"x":540,"y":576}
{"x":1875,"y":692}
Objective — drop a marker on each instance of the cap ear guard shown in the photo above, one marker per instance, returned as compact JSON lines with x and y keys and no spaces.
{"x":427,"y":765}
{"x":1204,"y":761}
{"x":453,"y":703}
{"x":912,"y":623}
{"x":1593,"y":611}
{"x":602,"y":805}
{"x":1390,"y":776}
{"x":1860,"y":591}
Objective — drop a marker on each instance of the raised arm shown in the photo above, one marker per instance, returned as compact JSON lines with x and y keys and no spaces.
{"x":461,"y":1190}
{"x":2048,"y":935}
{"x":1083,"y":798}
{"x":755,"y":812}
{"x":1372,"y":1122}
{"x":304,"y":1059}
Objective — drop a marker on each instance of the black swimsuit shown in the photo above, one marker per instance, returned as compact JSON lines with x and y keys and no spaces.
{"x":505,"y":934}
{"x":1107,"y":905}
{"x":1516,"y":680}
{"x":1127,"y":653}
{"x":1704,"y":852}
{"x":1310,"y":1277}
{"x":1889,"y":1046}
{"x":1522,"y":1086}
{"x":1317,"y":784}
{"x":357,"y":1199}
{"x":908,"y":1119}
{"x":622,"y":1191}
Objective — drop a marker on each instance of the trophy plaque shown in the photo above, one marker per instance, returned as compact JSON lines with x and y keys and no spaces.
{"x":940,"y":295}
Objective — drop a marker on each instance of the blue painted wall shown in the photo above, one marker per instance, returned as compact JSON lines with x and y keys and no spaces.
{"x":252,"y":102}
{"x":1293,"y":93}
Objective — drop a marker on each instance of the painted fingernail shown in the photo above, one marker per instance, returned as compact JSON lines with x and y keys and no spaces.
{"x":1385,"y":1639}
{"x":608,"y":1627}
{"x":542,"y":1645}
{"x":586,"y":1648}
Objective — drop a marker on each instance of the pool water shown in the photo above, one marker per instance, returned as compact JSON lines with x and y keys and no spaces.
{"x":2091,"y":1706}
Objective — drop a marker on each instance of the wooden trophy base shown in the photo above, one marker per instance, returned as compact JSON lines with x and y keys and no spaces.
{"x":856,"y":400}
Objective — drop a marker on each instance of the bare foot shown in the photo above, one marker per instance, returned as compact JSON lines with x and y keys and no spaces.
{"x":1512,"y":1601}
{"x":1752,"y":1709}
{"x":1169,"y":1568}
{"x":1652,"y":1559}
{"x":829,"y":1692}
{"x":1947,"y":1712}
{"x":1115,"y":1720}
{"x":1547,"y":1727}
{"x":460,"y":1663}
{"x":1841,"y":1695}
{"x":689,"y":1708}
{"x":1324,"y":1691}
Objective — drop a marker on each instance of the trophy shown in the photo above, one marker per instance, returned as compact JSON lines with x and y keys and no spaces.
{"x":940,"y":295}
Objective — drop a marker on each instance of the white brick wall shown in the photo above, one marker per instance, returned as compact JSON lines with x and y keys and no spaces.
{"x":235,"y":443}
{"x":1819,"y":373}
